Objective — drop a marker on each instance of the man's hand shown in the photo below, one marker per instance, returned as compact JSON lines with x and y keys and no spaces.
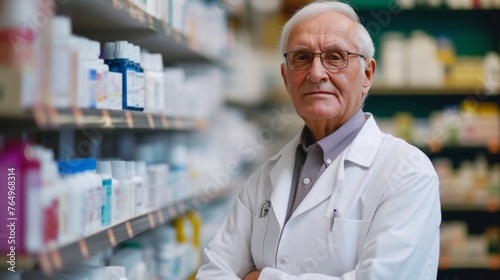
{"x":254,"y":275}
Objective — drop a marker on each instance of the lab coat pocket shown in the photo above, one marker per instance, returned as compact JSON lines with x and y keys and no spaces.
{"x":257,"y":244}
{"x":345,"y":241}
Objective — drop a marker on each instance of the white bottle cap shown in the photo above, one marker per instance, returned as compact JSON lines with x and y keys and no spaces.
{"x":104,"y":167}
{"x":118,"y":169}
{"x":109,"y":50}
{"x":130,"y":167}
{"x":157,"y":62}
{"x":130,"y":52}
{"x":121,"y":50}
{"x":146,"y":61}
{"x":137,"y":54}
{"x":61,"y":26}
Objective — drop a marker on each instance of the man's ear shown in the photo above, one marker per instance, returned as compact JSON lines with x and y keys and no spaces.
{"x":369,"y":74}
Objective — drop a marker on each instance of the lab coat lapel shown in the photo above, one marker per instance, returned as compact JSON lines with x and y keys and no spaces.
{"x":281,"y":179}
{"x":361,"y":151}
{"x":324,"y":187}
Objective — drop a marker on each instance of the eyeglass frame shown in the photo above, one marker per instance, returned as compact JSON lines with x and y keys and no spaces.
{"x":321,"y":59}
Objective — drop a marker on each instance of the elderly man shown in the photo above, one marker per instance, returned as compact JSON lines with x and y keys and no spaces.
{"x":342,"y":200}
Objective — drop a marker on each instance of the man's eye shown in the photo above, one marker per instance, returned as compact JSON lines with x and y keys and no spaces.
{"x":303,"y":57}
{"x":333,"y":57}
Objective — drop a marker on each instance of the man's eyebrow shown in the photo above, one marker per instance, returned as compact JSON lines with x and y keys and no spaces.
{"x":334,"y":46}
{"x":300,"y":47}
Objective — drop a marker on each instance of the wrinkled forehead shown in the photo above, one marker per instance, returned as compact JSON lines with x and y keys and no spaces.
{"x":329,"y":30}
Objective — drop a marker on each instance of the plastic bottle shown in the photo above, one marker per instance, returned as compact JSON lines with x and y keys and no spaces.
{"x":74,"y":182}
{"x":18,"y":158}
{"x":149,"y":86}
{"x":135,"y":207}
{"x":122,"y":64}
{"x":394,"y":59}
{"x":49,"y":195}
{"x":140,"y":171}
{"x":425,"y":70}
{"x":102,"y":75}
{"x":178,"y":176}
{"x":82,"y":77}
{"x":87,"y":191}
{"x":62,"y":67}
{"x":93,"y":70}
{"x":158,"y":79}
{"x":126,"y":185}
{"x":114,"y":92}
{"x":168,"y":253}
{"x":111,"y":190}
{"x":134,"y":89}
{"x":88,"y":184}
{"x":492,"y":73}
{"x":140,"y":99}
{"x":20,"y":55}
{"x":96,"y":191}
{"x":447,"y":57}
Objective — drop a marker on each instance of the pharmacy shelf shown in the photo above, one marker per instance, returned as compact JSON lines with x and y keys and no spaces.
{"x":379,"y":90}
{"x":56,"y":259}
{"x":113,"y":20}
{"x":384,"y":103}
{"x":396,"y":9}
{"x":492,"y":150}
{"x":49,"y":118}
{"x":490,"y":206}
{"x":491,"y":262}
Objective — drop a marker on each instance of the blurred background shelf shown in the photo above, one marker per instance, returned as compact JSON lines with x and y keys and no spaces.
{"x":492,"y":207}
{"x":46,"y":118}
{"x":121,"y":20}
{"x":380,"y":90}
{"x":57,"y":258}
{"x":420,"y":105}
{"x":481,"y":262}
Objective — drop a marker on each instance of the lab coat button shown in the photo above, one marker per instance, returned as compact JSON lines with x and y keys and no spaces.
{"x":283,"y":261}
{"x":306,"y":181}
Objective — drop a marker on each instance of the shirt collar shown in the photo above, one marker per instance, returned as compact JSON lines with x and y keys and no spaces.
{"x":330,"y":143}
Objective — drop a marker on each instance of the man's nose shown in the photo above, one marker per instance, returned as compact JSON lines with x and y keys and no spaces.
{"x":317,"y":72}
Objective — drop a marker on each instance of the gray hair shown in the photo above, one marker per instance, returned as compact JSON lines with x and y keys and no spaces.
{"x":362,"y":37}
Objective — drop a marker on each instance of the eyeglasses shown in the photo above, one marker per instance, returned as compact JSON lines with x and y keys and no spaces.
{"x":332,"y":59}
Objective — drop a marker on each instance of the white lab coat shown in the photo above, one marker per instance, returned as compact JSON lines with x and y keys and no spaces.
{"x":385,"y":192}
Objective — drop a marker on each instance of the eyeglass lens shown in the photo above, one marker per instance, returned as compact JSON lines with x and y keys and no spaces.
{"x":302,"y":60}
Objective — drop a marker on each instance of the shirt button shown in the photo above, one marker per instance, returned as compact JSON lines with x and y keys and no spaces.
{"x":328,"y":161}
{"x":306,"y":181}
{"x":283,"y":261}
